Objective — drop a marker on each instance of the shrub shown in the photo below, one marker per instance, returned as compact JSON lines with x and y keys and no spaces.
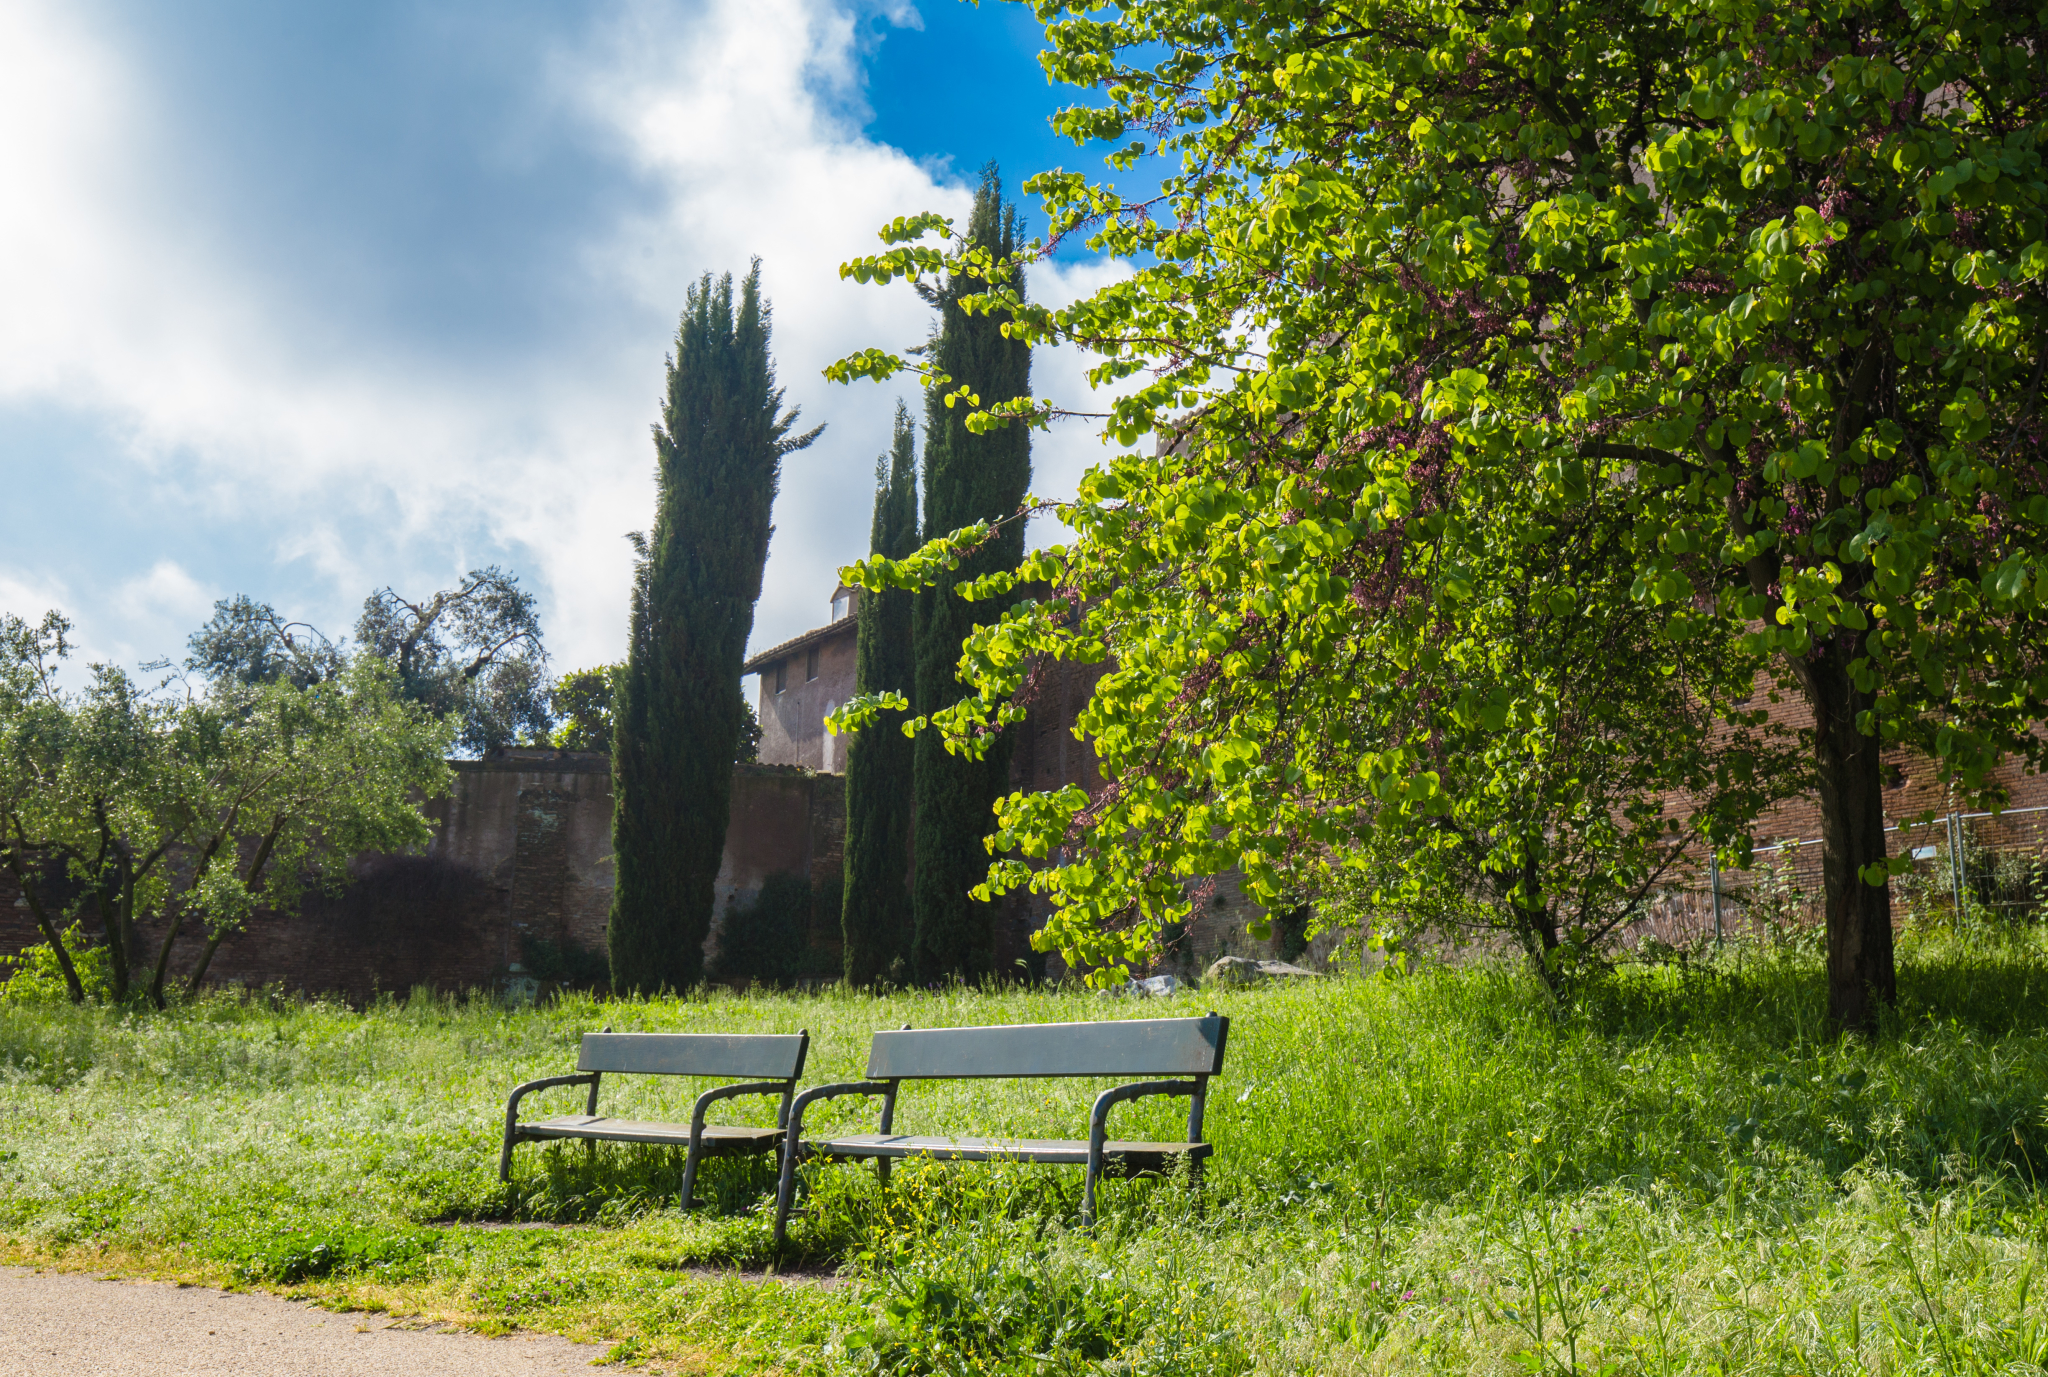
{"x":767,"y":939}
{"x":567,"y":962}
{"x":36,"y":977}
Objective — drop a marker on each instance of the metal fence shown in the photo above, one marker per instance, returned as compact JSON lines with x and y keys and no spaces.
{"x":1984,"y":865}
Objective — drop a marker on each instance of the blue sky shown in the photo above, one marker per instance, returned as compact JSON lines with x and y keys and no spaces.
{"x":304,"y":300}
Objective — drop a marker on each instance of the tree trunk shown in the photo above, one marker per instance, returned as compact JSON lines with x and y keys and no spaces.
{"x":1862,"y":973}
{"x":176,"y":920}
{"x":25,"y":878}
{"x":107,"y":899}
{"x":249,"y":881}
{"x":205,"y":959}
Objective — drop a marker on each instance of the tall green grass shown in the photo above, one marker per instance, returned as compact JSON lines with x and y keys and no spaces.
{"x":1435,"y":1173}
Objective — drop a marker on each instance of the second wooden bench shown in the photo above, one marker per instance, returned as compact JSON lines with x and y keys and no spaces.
{"x":1178,"y":1047}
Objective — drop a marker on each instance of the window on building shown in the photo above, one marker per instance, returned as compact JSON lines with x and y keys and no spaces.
{"x":841,"y":605}
{"x":781,"y":675}
{"x":810,"y":664}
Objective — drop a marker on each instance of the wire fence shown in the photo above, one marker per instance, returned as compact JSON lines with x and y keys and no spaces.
{"x":1983,"y":866}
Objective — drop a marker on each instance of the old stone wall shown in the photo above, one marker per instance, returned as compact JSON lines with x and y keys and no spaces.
{"x":522,"y":852}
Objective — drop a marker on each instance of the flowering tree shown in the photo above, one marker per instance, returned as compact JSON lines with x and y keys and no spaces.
{"x":1767,"y":280}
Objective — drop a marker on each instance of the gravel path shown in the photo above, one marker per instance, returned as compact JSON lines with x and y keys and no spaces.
{"x":62,"y":1324}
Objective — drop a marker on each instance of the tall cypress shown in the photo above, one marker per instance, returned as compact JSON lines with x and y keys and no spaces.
{"x":875,"y":916}
{"x":968,"y":478}
{"x":679,"y":715}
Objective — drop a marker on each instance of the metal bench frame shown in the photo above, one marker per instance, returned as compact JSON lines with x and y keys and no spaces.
{"x":1191,"y":1047}
{"x":779,"y":1056}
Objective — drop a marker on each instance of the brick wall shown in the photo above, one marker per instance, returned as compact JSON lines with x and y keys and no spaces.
{"x":522,"y":850}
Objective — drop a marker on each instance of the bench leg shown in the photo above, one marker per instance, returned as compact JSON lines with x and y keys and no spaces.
{"x":1088,"y":1197}
{"x":784,"y":1189}
{"x":505,"y":1157}
{"x":689,"y":1178}
{"x":882,"y":1172}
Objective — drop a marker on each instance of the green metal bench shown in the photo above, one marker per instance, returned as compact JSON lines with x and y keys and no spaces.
{"x":771,"y":1061}
{"x":1189,"y":1047}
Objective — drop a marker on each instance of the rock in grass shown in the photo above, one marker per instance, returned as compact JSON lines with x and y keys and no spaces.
{"x":1242,"y":970}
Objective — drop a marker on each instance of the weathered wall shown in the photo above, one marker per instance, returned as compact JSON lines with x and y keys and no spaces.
{"x":523,"y":851}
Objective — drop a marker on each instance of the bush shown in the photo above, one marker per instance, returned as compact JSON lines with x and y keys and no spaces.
{"x":767,"y":940}
{"x":36,"y":977}
{"x":567,"y":962}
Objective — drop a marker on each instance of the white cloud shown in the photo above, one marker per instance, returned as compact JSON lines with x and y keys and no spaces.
{"x":365,"y":465}
{"x":166,"y":590}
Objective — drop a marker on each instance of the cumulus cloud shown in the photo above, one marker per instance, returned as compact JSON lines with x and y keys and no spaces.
{"x":268,"y":438}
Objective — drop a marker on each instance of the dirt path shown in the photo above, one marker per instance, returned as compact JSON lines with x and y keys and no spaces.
{"x":58,"y":1324}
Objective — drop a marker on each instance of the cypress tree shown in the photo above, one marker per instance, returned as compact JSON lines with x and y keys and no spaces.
{"x":875,"y":914}
{"x":679,"y":715}
{"x":968,"y":478}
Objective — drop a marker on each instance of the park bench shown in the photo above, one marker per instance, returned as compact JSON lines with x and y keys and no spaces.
{"x":771,"y":1061}
{"x":1190,"y":1047}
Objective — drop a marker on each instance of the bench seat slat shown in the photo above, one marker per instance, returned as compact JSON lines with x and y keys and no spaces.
{"x":718,"y":1138}
{"x":1055,"y":1151}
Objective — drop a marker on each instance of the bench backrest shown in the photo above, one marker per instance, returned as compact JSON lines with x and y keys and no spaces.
{"x":751,"y":1056}
{"x":1134,"y":1047}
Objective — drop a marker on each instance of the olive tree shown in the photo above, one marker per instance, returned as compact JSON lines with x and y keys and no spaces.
{"x":198,"y":806}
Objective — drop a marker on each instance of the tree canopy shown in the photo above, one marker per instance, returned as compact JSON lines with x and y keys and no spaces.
{"x":1765,"y":280}
{"x":473,"y":650}
{"x":679,"y":720}
{"x":875,"y":913}
{"x":971,"y":473}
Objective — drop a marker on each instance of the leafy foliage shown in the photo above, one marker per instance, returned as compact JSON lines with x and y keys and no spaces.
{"x":1766,"y":282}
{"x":567,"y":962}
{"x":197,"y":807}
{"x":581,"y":702}
{"x":473,"y":650}
{"x":249,"y":642}
{"x":766,"y":939}
{"x":877,"y":921}
{"x":680,"y":716}
{"x":42,"y":973}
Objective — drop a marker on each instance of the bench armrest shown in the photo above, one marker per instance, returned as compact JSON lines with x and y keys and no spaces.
{"x":1098,"y":1125}
{"x":792,"y":1139}
{"x":704,"y":1102}
{"x":519,"y":1093}
{"x":795,"y":1125}
{"x":727,"y":1092}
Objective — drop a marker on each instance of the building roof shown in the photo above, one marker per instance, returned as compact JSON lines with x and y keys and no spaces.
{"x":815,"y":636}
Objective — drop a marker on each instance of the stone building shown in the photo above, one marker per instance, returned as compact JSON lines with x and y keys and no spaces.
{"x":803,"y":680}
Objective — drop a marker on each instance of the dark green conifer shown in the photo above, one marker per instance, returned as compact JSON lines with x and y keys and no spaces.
{"x":968,"y":478}
{"x":679,"y":714}
{"x":875,"y":917}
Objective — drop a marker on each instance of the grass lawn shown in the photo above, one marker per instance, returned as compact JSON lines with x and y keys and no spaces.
{"x":1429,"y":1174}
